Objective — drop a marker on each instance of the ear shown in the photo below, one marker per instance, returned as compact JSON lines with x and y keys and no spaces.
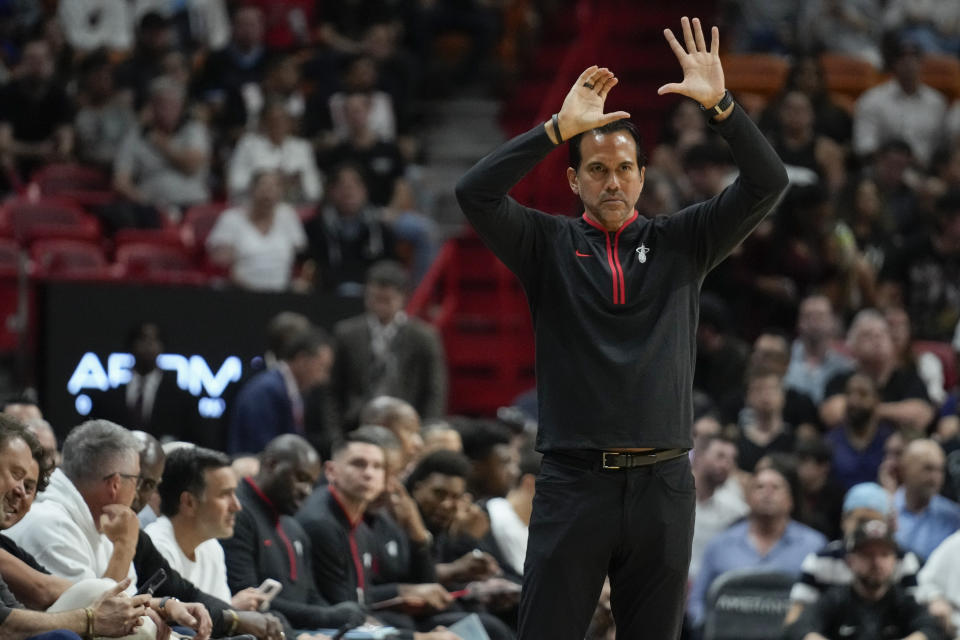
{"x":188,"y":503}
{"x":572,"y":179}
{"x":643,"y":175}
{"x":330,"y":470}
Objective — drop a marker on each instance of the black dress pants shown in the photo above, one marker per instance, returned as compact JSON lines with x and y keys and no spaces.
{"x":635,"y":525}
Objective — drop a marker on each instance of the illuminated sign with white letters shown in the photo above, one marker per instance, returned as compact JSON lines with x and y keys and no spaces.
{"x":194,"y":375}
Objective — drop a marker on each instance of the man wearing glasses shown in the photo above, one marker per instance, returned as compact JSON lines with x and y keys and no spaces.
{"x":82,"y":525}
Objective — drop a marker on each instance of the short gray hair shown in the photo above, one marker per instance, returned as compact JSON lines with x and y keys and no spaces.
{"x":93,"y":449}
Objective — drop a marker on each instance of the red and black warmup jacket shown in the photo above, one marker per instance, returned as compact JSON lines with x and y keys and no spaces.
{"x":615,"y":313}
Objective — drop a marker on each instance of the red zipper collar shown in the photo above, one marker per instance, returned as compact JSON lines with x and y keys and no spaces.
{"x":613,"y":256}
{"x":291,"y":557}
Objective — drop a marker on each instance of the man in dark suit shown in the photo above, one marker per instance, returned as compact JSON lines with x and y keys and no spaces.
{"x":271,"y":403}
{"x":385,"y":352}
{"x":151,"y":400}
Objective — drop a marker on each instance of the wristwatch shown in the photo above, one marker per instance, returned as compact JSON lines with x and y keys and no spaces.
{"x":720,"y":107}
{"x":163,"y":603}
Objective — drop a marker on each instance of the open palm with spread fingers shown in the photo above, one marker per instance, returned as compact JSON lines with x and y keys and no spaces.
{"x":582,"y":109}
{"x":702,"y":73}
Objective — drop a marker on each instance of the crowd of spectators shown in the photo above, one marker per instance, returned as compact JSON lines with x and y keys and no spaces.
{"x":827,"y":431}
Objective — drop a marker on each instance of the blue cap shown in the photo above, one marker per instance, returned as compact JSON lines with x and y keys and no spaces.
{"x":867,"y":495}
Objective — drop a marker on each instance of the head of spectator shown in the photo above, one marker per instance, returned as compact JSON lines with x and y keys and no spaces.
{"x":816,"y":325}
{"x":102,"y":460}
{"x":862,"y":401}
{"x":380,"y":40}
{"x":44,"y":434}
{"x":814,"y":458}
{"x":166,"y":104}
{"x":356,"y":111}
{"x":806,"y":75}
{"x":289,"y":468}
{"x":24,"y":470}
{"x":440,"y":435}
{"x":891,"y":161}
{"x":152,"y":460}
{"x":438,"y":484}
{"x":275,"y":122}
{"x":494,"y":464}
{"x":903,"y":58}
{"x":890,"y":473}
{"x":266,"y":192}
{"x":796,"y":116}
{"x":247,"y":33}
{"x":385,"y":293}
{"x":174,"y":65}
{"x":771,"y":351}
{"x":283,"y":328}
{"x":401,"y":418}
{"x":716,"y":459}
{"x":682,"y":128}
{"x":96,"y":78}
{"x":199,"y":495}
{"x":900,"y":333}
{"x":704,"y":427}
{"x":389,"y":442}
{"x":155,"y":35}
{"x":145,"y":343}
{"x":870,"y":343}
{"x":282,"y":76}
{"x":309,"y":357}
{"x":946,"y":237}
{"x":36,"y":68}
{"x":770,"y":496}
{"x":923,"y":473}
{"x":707,"y":166}
{"x":872,"y":557}
{"x":361,"y":74}
{"x":356,"y":472}
{"x":765,"y":395}
{"x":23,"y":408}
{"x":864,"y":502}
{"x":348,"y":190}
{"x":528,"y":468}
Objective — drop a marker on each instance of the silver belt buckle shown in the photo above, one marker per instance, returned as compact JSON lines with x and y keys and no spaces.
{"x":604,"y":464}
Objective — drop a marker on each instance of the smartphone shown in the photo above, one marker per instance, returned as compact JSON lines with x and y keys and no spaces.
{"x":269,"y":588}
{"x":153,"y":583}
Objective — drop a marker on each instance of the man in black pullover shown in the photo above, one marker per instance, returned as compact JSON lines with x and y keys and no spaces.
{"x":614,"y":299}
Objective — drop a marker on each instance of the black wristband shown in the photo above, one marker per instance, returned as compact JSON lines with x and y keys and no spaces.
{"x":720,"y":107}
{"x":556,"y":128}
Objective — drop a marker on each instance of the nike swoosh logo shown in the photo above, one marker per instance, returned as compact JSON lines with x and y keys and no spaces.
{"x":583,"y":255}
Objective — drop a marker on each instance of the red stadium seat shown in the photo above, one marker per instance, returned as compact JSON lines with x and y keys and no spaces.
{"x":49,"y":218}
{"x":82,"y":184}
{"x":68,"y":258}
{"x":157,"y":263}
{"x":9,"y":256}
{"x":198,"y":221}
{"x":162,"y":237}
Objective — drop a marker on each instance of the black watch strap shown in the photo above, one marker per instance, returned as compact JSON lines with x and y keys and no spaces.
{"x":720,"y":107}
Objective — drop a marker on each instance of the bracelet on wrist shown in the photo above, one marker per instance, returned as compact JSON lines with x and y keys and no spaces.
{"x":88,"y":634}
{"x":234,"y":623}
{"x":556,"y":128}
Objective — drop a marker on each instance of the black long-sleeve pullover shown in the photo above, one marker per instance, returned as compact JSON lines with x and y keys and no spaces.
{"x":615,"y":313}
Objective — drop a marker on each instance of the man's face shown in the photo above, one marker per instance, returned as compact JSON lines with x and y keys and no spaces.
{"x":384,"y":301}
{"x":248,"y":28}
{"x":312,"y":369}
{"x":815,"y":319}
{"x":128,"y":478}
{"x":151,"y":471}
{"x":769,"y":495}
{"x":765,"y":395}
{"x":608,"y":181}
{"x":437,"y":496}
{"x":718,"y":461}
{"x":218,"y":506}
{"x":18,"y":481}
{"x":923,"y":471}
{"x":267,"y":191}
{"x":872,"y":342}
{"x":499,"y":471}
{"x":899,"y":323}
{"x":862,"y":400}
{"x":770,"y":351}
{"x":359,"y":472}
{"x":406,"y":426}
{"x":37,"y":62}
{"x":348,"y":193}
{"x":167,"y":109}
{"x":292,"y":481}
{"x":147,"y":346}
{"x":872,"y":564}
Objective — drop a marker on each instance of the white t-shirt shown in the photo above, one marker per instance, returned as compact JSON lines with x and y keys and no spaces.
{"x":714,"y":515}
{"x":261,"y":261}
{"x":208,"y":572}
{"x":509,"y":532}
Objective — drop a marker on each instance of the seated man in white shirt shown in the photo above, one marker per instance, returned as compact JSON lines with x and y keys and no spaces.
{"x":198,"y":503}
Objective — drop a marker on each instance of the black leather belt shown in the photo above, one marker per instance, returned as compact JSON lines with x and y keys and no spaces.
{"x":614,"y":460}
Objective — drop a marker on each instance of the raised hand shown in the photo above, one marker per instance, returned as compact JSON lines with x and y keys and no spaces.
{"x":582,"y":109}
{"x":702,"y":73}
{"x":117,"y":614}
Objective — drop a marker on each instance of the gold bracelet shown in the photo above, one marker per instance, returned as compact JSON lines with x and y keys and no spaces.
{"x":233,"y":623}
{"x":89,"y":633}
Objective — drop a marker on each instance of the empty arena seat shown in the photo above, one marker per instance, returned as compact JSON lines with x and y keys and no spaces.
{"x":747,"y":604}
